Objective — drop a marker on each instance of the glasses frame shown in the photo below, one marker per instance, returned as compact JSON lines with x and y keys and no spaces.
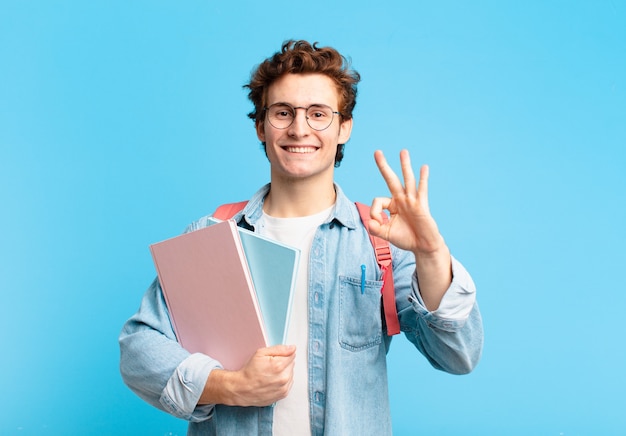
{"x":306,"y":109}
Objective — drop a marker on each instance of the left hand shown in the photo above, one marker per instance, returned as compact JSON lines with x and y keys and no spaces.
{"x":411,"y":226}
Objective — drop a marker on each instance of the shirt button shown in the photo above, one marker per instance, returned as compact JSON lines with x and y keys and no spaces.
{"x":317,"y":297}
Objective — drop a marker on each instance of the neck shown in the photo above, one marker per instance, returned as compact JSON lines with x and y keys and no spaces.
{"x":289,"y":200}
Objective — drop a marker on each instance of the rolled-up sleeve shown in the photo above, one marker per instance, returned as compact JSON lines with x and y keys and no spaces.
{"x":450,"y":337}
{"x":457,"y":302}
{"x":184,"y":388}
{"x":156,"y":367}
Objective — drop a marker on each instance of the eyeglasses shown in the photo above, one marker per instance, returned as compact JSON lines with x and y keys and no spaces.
{"x":318,"y":116}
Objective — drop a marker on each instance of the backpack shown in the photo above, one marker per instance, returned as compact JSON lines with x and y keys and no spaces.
{"x":382,"y":251}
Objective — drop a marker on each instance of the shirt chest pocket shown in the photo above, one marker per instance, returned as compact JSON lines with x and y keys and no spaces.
{"x":360,"y":323}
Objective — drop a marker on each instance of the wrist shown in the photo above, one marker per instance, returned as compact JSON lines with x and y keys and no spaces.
{"x":219,"y":388}
{"x":435,"y":252}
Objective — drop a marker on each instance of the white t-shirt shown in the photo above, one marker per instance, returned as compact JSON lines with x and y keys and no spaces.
{"x":291,"y":415}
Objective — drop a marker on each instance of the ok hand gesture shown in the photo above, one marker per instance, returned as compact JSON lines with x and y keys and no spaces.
{"x":411,"y":227}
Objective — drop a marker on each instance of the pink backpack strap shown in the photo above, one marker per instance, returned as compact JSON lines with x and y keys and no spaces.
{"x":229,"y":210}
{"x":383,"y":258}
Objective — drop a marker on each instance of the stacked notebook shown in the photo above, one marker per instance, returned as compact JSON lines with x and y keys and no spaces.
{"x":228,"y":290}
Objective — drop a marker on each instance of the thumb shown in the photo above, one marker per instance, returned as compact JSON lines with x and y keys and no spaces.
{"x":377,"y":229}
{"x":376,"y":225}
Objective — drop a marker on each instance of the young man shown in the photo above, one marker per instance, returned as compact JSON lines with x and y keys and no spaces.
{"x":331,"y":378}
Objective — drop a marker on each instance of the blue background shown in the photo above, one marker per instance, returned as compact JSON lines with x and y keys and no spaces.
{"x":123,"y":121}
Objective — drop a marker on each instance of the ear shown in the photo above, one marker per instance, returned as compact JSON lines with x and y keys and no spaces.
{"x":260,"y":130}
{"x":345,"y":130}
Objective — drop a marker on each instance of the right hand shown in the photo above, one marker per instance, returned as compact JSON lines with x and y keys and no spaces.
{"x":266,"y":378}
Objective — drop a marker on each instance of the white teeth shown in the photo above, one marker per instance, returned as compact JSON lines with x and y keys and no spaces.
{"x":300,"y":149}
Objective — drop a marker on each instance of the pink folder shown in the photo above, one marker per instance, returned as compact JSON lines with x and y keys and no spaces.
{"x":210,"y":295}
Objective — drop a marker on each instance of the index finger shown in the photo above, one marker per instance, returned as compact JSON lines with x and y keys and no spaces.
{"x":392,"y":180}
{"x":279,"y":350}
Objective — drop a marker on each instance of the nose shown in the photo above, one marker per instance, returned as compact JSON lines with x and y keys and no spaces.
{"x":300,"y":126}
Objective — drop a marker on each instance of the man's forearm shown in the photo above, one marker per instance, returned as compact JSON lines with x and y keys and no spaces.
{"x":434,"y":274}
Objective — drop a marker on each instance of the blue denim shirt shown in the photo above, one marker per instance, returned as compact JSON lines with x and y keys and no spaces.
{"x":347,"y":338}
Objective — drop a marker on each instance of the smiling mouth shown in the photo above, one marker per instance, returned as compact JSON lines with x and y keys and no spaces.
{"x":301,"y":150}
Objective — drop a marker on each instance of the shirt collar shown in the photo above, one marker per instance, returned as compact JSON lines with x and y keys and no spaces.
{"x":344,"y":211}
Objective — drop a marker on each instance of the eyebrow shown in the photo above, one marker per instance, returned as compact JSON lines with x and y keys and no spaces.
{"x":294,"y":106}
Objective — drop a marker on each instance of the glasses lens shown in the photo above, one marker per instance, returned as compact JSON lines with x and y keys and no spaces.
{"x":280,"y":115}
{"x":319,"y":117}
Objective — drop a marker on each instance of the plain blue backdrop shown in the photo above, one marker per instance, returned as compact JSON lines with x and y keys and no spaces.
{"x":123,"y":121}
